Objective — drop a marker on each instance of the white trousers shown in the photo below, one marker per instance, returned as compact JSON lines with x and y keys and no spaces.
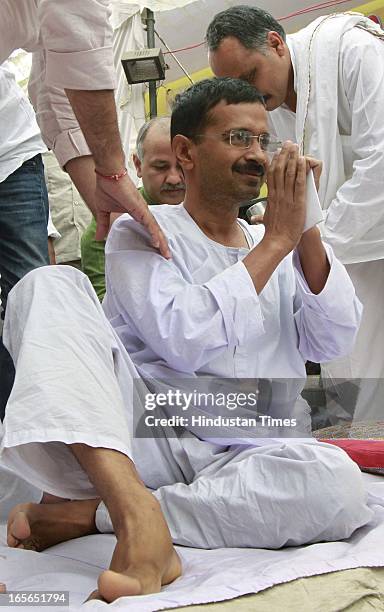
{"x":355,"y":383}
{"x":74,"y":384}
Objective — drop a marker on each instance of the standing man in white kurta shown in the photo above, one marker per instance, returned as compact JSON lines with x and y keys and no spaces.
{"x":233,"y":302}
{"x":324,"y":88}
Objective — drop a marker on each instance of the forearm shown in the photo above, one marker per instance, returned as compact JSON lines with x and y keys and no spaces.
{"x":96,"y":114}
{"x":82,"y":172}
{"x":263,"y":260}
{"x":313,"y":259}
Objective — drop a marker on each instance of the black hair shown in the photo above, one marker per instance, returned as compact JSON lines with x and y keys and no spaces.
{"x":249,"y":24}
{"x":190,"y":114}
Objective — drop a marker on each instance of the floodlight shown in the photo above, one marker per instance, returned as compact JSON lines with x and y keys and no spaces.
{"x":144,"y":65}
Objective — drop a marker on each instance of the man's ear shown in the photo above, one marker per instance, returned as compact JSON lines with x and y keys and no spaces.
{"x":137,"y":163}
{"x":183,"y":150}
{"x":275,"y":41}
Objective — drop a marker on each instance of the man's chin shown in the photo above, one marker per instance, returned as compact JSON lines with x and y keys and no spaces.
{"x":251,"y":182}
{"x":175,"y":198}
{"x":271,"y":104}
{"x":249,"y":192}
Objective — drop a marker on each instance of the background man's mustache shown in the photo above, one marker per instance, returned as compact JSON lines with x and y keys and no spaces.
{"x":177,"y":187}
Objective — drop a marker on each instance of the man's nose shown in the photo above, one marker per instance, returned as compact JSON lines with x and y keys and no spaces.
{"x":256,"y":152}
{"x":174,"y":176}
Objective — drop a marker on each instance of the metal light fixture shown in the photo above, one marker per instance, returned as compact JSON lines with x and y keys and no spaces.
{"x":144,"y":65}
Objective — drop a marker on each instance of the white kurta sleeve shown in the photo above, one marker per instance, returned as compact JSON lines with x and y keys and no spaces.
{"x":77,"y":40}
{"x":327,"y":323}
{"x":355,"y":218}
{"x":186,"y":324}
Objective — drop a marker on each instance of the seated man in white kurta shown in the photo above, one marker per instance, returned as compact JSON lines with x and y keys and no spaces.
{"x":233,"y":302}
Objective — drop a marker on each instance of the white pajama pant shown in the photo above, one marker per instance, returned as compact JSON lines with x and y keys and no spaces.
{"x":356,"y":382}
{"x":74,"y":384}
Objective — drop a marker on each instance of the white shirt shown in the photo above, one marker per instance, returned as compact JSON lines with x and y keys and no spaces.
{"x":20,"y":135}
{"x":199,"y":314}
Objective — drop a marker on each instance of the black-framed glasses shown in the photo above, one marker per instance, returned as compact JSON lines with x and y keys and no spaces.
{"x":243,"y":139}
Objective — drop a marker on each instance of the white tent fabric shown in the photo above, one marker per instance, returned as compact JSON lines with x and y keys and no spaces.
{"x":132,"y":6}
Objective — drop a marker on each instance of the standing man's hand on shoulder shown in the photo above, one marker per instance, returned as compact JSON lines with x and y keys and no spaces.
{"x":120,"y":197}
{"x":95,"y":111}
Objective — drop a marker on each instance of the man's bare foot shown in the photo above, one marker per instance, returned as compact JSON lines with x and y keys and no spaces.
{"x":140,"y":578}
{"x":39,"y":526}
{"x":144,"y":558}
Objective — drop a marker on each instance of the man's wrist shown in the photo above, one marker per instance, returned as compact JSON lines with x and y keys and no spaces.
{"x":263,"y":260}
{"x":278,"y":247}
{"x":113,"y":166}
{"x":112,"y":177}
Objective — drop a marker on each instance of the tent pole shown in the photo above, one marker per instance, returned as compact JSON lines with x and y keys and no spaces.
{"x":150,"y":23}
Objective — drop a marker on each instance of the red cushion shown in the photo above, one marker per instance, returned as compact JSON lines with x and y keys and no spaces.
{"x":366,"y":453}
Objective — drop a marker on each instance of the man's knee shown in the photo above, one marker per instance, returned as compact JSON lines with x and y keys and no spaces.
{"x":341,"y":496}
{"x":48,"y":276}
{"x":316,"y":493}
{"x":50,"y":283}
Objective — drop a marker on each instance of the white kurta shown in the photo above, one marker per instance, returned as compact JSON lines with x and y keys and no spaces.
{"x":344,"y":128}
{"x":200,"y":316}
{"x":198,"y":313}
{"x":340,"y":122}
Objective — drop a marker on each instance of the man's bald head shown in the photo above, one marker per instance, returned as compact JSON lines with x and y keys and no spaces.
{"x":156,"y":164}
{"x":160,"y":126}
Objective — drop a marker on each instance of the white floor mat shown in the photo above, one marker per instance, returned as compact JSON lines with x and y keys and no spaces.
{"x":208,"y":576}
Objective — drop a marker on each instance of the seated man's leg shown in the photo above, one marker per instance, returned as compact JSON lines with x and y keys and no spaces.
{"x":267,"y":497}
{"x":67,"y":426}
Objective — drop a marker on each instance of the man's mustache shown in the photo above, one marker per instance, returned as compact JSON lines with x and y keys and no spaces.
{"x":178,"y":187}
{"x":250,"y":167}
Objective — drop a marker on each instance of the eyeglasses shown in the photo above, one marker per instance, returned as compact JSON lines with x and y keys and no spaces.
{"x":243,"y":139}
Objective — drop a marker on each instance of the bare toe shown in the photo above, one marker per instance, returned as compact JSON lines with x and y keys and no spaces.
{"x":18,"y":529}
